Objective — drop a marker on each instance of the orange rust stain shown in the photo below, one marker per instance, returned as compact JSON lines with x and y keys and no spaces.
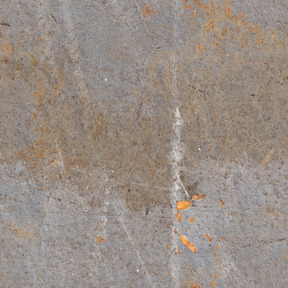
{"x":187,"y":5}
{"x":175,"y":231}
{"x":183,"y":205}
{"x":207,"y":236}
{"x":191,"y":220}
{"x":199,"y":197}
{"x":217,"y":247}
{"x":222,"y":203}
{"x":146,"y":10}
{"x":179,"y":216}
{"x":100,"y":239}
{"x":223,"y":239}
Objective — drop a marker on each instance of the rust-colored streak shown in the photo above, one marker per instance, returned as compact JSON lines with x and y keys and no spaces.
{"x":267,"y":158}
{"x":179,"y":216}
{"x":183,"y":205}
{"x":207,"y":236}
{"x":199,"y":197}
{"x":100,"y":239}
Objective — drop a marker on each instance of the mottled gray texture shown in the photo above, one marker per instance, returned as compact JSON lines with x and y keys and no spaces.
{"x":111,"y":111}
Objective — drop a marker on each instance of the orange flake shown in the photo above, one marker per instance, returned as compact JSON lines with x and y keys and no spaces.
{"x":191,"y":220}
{"x":175,"y":231}
{"x":207,"y":236}
{"x":183,"y":205}
{"x":192,"y":247}
{"x":179,"y":216}
{"x":199,"y":197}
{"x":100,"y":239}
{"x":217,"y":247}
{"x":222,"y":203}
{"x":184,"y":240}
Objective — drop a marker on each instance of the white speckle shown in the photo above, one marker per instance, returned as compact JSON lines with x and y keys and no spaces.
{"x":87,"y":187}
{"x":107,"y":203}
{"x":194,"y":11}
{"x":199,"y":149}
{"x":112,"y":171}
{"x":138,"y":270}
{"x":105,"y":79}
{"x":121,"y":249}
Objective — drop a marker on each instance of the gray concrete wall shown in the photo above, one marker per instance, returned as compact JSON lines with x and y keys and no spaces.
{"x":112,"y":111}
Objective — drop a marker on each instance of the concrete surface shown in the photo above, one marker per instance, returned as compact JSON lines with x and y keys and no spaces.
{"x":112,"y":111}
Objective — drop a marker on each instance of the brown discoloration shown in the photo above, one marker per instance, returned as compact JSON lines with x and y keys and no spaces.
{"x":22,"y":233}
{"x":221,"y":203}
{"x":146,"y":10}
{"x":100,"y":239}
{"x":213,"y":283}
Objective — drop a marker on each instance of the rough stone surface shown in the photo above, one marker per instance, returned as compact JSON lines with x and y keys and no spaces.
{"x":112,"y":111}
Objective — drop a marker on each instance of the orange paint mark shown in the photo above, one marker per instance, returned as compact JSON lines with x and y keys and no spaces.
{"x":146,"y":10}
{"x":184,"y":240}
{"x":187,"y":243}
{"x":169,"y":273}
{"x":217,"y":247}
{"x":175,"y":231}
{"x":100,"y":239}
{"x":183,"y":205}
{"x":199,"y":197}
{"x":191,"y":220}
{"x":222,"y":203}
{"x":223,"y":239}
{"x":207,"y":236}
{"x":179,"y":216}
{"x":192,"y":247}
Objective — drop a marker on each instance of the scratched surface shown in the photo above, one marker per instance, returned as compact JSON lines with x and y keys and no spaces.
{"x":143,"y":143}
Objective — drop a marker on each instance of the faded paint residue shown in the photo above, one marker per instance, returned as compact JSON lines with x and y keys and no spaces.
{"x":198,"y":197}
{"x":100,"y":239}
{"x":207,"y":236}
{"x":21,"y":233}
{"x":217,"y":247}
{"x":213,"y":282}
{"x":183,"y":205}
